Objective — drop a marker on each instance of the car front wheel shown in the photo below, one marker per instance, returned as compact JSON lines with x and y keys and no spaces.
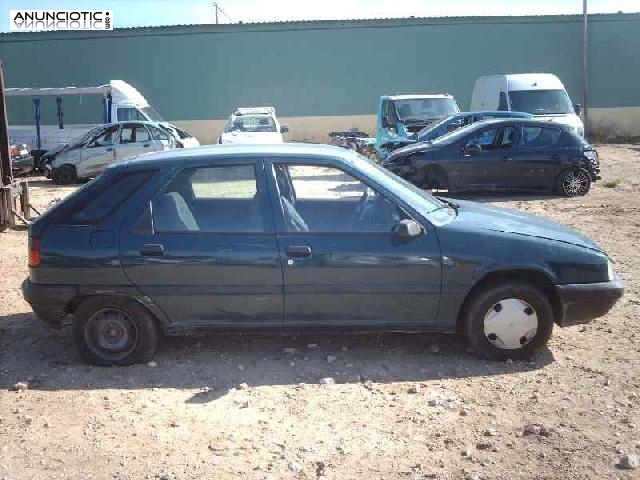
{"x":508,"y":320}
{"x":574,"y":183}
{"x":65,"y":175}
{"x":114,"y":331}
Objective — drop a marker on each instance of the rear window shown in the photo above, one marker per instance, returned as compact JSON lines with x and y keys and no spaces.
{"x":107,"y":199}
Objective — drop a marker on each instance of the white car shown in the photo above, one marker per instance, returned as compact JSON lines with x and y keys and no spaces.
{"x":253,"y":125}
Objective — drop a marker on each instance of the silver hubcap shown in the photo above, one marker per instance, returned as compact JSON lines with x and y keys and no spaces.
{"x":575,"y":183}
{"x":510,"y":324}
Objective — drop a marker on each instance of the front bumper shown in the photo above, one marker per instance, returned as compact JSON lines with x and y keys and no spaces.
{"x":582,"y":302}
{"x":49,"y":302}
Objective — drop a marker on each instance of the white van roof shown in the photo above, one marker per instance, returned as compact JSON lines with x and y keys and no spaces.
{"x":527,"y":81}
{"x":121,"y":92}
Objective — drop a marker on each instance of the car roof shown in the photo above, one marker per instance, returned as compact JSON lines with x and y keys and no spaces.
{"x":210,"y":152}
{"x":142,"y":122}
{"x":410,"y":97}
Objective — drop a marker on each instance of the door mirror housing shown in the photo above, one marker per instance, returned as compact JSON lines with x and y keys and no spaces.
{"x":472,"y":149}
{"x":577,"y":108}
{"x":284,"y":129}
{"x":407,"y":229}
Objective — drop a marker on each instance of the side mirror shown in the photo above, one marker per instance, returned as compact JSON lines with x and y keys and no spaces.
{"x":284,"y":129}
{"x":407,"y":229}
{"x":577,"y":108}
{"x":472,"y":149}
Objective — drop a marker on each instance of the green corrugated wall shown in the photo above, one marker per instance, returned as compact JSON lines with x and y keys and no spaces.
{"x":324,"y":68}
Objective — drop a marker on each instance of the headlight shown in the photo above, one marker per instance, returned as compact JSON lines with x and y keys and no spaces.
{"x":591,"y":155}
{"x":610,"y":270}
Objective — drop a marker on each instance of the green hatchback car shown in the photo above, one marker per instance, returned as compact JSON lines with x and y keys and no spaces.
{"x":300,"y":238}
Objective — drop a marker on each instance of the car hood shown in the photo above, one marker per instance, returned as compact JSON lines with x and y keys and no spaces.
{"x":252,"y":137}
{"x":410,"y":150}
{"x":506,"y":220}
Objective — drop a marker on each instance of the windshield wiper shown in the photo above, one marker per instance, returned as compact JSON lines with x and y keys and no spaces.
{"x":449,"y":203}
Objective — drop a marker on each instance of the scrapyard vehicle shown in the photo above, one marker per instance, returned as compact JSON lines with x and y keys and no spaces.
{"x":300,"y":237}
{"x":253,"y":125}
{"x":401,"y":116}
{"x":360,"y":142}
{"x":88,"y":156}
{"x":505,"y":154}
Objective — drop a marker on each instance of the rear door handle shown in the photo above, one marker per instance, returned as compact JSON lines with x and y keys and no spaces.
{"x":146,"y":145}
{"x":152,"y":250}
{"x":299,"y":251}
{"x":555,"y":156}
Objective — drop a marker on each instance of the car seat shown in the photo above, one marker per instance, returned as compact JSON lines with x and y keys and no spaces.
{"x":172,"y":214}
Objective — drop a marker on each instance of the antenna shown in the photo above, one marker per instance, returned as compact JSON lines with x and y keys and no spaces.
{"x":217,"y":9}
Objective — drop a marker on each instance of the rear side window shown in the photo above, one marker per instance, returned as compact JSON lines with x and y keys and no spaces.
{"x":541,"y":137}
{"x":107,"y":199}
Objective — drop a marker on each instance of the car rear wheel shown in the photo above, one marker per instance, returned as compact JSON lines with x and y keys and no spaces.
{"x":574,"y":183}
{"x":508,"y":320}
{"x":114,"y":331}
{"x":65,"y":175}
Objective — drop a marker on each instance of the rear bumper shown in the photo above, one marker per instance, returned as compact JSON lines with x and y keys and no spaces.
{"x":49,"y":302}
{"x":582,"y":302}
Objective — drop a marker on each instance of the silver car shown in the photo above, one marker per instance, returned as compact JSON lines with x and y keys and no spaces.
{"x":89,"y":155}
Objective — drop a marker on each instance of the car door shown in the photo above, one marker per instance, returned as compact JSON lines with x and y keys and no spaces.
{"x":135,"y":139}
{"x":98,"y":153}
{"x":470,"y":169}
{"x":493,"y":166}
{"x":343,"y":265}
{"x":205,"y":250}
{"x":540,"y":156}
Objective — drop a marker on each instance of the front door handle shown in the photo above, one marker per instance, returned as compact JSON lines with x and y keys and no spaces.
{"x":152,"y":250}
{"x":555,"y":156}
{"x":299,"y":251}
{"x":506,"y":158}
{"x":109,"y":149}
{"x":146,"y":145}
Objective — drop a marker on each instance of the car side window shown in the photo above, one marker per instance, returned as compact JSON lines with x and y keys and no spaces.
{"x":108,"y":198}
{"x":326,"y":199}
{"x":133,"y":134}
{"x":541,"y":137}
{"x":159,"y":134}
{"x":486,"y":139}
{"x":210,"y":199}
{"x":503,"y":106}
{"x":105,"y":138}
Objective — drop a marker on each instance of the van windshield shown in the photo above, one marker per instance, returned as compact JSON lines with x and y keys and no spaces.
{"x":541,"y":102}
{"x":421,"y":109}
{"x":152,"y":114}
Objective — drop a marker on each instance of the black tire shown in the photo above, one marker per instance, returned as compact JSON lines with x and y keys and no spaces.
{"x":484,"y":302}
{"x":65,"y":175}
{"x":134,"y":325}
{"x":574,"y":183}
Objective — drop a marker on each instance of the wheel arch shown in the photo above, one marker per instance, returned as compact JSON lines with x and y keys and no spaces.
{"x":531,"y":276}
{"x":158,"y":316}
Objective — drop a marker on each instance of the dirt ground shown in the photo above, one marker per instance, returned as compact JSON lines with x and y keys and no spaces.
{"x":402,"y":407}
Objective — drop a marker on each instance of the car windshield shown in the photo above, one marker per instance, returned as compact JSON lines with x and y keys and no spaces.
{"x":252,"y":123}
{"x":541,"y":102}
{"x":426,"y":131}
{"x":152,"y":114}
{"x":425,"y":203}
{"x":456,"y":135}
{"x":425,"y":109}
{"x":82,"y":139}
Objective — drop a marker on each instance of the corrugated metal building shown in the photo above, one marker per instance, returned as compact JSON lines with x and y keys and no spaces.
{"x":326,"y":75}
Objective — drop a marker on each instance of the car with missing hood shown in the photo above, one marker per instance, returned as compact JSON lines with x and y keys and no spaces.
{"x":257,"y":125}
{"x":299,"y":238}
{"x":89,"y":155}
{"x":504,"y":154}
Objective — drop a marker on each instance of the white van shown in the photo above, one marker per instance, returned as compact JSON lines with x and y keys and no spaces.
{"x":541,"y":94}
{"x":121,"y":102}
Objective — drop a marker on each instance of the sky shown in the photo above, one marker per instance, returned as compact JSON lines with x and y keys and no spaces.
{"x":132,"y":13}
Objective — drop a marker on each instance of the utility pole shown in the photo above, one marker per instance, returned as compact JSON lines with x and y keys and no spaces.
{"x":215,"y":7}
{"x":6,"y":176}
{"x":585,"y":68}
